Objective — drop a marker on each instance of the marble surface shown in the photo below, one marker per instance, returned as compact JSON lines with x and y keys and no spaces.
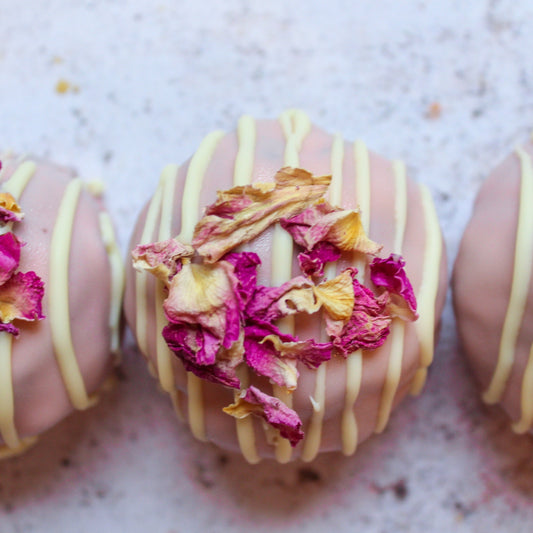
{"x":118,"y":89}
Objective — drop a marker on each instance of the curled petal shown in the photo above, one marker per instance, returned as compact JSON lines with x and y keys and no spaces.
{"x":337,"y":296}
{"x":245,"y":270}
{"x":202,"y":355}
{"x":309,"y":352}
{"x":294,"y":296}
{"x":273,"y":411}
{"x":9,"y":328}
{"x":369,"y":324}
{"x":162,"y":259}
{"x":21,"y":297}
{"x":9,"y":209}
{"x":205,"y":295}
{"x":324,"y":223}
{"x":390,"y":274}
{"x":9,"y":255}
{"x":312,"y":262}
{"x":242,"y":213}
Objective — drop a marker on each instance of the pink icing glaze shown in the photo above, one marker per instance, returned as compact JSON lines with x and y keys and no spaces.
{"x":40,"y":397}
{"x":482,"y":281}
{"x":315,"y":156}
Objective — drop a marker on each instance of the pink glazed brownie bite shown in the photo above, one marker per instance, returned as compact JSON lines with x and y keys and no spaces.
{"x":61,"y":280}
{"x":285,"y":288}
{"x":492,"y":288}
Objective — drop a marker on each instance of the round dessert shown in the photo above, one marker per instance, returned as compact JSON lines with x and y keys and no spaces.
{"x":291,"y":311}
{"x":60,"y":292}
{"x":492,"y":289}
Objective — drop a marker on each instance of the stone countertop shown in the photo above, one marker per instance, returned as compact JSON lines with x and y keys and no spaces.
{"x":118,"y":89}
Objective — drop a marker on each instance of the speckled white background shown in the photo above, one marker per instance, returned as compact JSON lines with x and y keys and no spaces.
{"x":147,"y":81}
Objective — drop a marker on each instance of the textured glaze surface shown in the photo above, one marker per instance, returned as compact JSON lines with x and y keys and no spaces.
{"x":482,"y":281}
{"x":40,"y":396}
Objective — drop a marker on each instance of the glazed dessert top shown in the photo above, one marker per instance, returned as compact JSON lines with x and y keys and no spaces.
{"x":220,"y":318}
{"x":52,"y":262}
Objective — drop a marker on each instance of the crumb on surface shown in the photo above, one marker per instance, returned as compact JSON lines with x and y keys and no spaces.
{"x":434,"y":111}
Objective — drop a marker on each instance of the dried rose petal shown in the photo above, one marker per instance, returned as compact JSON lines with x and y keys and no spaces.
{"x":9,"y":209}
{"x":245,"y":270}
{"x":337,"y":295}
{"x":201,"y":354}
{"x":9,"y":255}
{"x":242,"y":213}
{"x":312,"y":262}
{"x":309,"y":352}
{"x":324,"y":223}
{"x":390,"y":274}
{"x":21,"y":297}
{"x":10,"y":328}
{"x":294,"y":296}
{"x":205,"y":295}
{"x":369,"y":324}
{"x":162,"y":258}
{"x":274,"y":411}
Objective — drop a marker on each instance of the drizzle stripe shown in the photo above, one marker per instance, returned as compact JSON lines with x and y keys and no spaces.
{"x":141,"y":278}
{"x":117,"y":279}
{"x":397,"y":333}
{"x":523,"y":264}
{"x":189,"y":216}
{"x":313,"y":436}
{"x":296,"y":125}
{"x":526,"y":419}
{"x":163,"y":354}
{"x":425,"y":325}
{"x":242,"y":175}
{"x":58,"y":297}
{"x":354,"y":362}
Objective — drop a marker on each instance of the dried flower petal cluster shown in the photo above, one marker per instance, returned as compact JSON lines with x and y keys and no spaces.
{"x":21,"y":293}
{"x":219,"y":317}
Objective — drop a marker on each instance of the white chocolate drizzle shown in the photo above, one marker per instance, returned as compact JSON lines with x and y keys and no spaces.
{"x":354,"y":361}
{"x":397,"y":334}
{"x":526,"y":399}
{"x":58,"y":299}
{"x":242,"y":175}
{"x":427,"y":296}
{"x":296,"y":125}
{"x":164,"y":356}
{"x":313,"y":435}
{"x":117,"y":280}
{"x":189,"y":216}
{"x":523,"y":264}
{"x":141,"y":278}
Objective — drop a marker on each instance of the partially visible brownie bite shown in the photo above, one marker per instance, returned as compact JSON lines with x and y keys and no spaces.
{"x":284,"y":321}
{"x":492,"y":289}
{"x":61,"y":280}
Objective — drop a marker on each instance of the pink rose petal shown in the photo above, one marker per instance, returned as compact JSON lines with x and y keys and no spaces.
{"x":9,"y":209}
{"x":9,"y":328}
{"x":271,"y":409}
{"x":162,"y":259}
{"x":202,"y":355}
{"x":9,"y":255}
{"x":390,"y":274}
{"x":324,"y":223}
{"x":21,"y":297}
{"x":242,"y":213}
{"x":369,"y":324}
{"x":312,"y":262}
{"x":271,"y":303}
